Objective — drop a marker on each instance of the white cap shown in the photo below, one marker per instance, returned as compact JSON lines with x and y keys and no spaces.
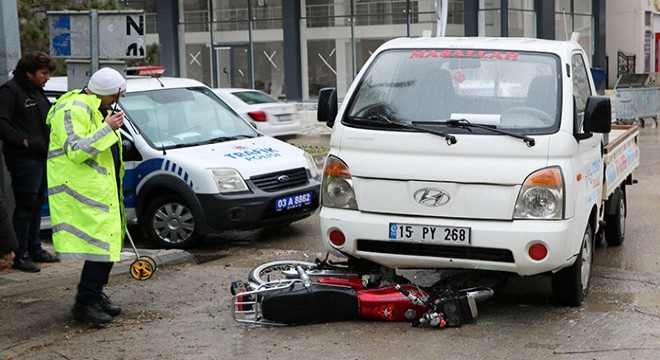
{"x":107,"y":81}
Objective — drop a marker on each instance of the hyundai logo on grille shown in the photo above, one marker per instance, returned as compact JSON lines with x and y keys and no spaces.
{"x":431,"y":197}
{"x":282,"y":179}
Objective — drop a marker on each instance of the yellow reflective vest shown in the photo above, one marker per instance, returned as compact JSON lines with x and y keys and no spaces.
{"x":86,"y":207}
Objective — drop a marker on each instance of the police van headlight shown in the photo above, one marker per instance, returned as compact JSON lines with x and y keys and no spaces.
{"x":541,"y":196}
{"x":229,"y":181}
{"x":311,"y":164}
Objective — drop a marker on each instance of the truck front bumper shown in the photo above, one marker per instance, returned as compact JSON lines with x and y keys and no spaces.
{"x":495,"y":245}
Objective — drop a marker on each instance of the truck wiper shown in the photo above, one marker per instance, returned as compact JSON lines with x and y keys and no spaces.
{"x":466,"y":124}
{"x":451,"y":139}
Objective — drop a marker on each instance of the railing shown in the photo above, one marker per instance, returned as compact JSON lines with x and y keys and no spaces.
{"x":270,"y":17}
{"x":625,"y":64}
{"x":385,"y":13}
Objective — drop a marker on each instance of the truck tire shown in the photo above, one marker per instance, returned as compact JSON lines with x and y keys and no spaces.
{"x":169,"y":222}
{"x":571,"y":285}
{"x":615,"y":223}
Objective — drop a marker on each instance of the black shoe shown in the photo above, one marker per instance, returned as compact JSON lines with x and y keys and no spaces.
{"x":43,"y":256}
{"x":108,"y":306}
{"x":90,"y":313}
{"x":25,"y":263}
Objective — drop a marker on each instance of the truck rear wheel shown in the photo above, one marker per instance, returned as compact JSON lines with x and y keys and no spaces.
{"x":615,"y":223}
{"x":170,"y":223}
{"x":571,"y":285}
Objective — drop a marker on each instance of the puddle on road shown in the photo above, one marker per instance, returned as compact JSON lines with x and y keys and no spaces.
{"x":603,"y":302}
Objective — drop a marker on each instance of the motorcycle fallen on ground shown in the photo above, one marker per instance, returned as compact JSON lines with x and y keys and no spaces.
{"x":292,"y":292}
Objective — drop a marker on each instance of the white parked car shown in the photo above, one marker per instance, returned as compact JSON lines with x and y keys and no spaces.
{"x":269,"y":115}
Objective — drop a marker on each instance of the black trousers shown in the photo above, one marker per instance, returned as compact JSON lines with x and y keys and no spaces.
{"x":94,"y":276}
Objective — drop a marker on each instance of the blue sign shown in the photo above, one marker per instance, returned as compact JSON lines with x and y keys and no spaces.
{"x":61,"y":43}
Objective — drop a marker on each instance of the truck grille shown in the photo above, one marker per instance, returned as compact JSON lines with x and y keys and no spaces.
{"x":281,"y":180}
{"x":455,"y":252}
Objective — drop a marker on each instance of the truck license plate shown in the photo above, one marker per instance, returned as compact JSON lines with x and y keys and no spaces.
{"x":293,"y":201}
{"x":447,"y":235}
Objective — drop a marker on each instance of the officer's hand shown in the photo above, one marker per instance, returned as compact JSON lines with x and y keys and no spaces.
{"x":115,"y":120}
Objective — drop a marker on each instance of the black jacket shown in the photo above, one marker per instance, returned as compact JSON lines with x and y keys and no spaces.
{"x":23,"y":110}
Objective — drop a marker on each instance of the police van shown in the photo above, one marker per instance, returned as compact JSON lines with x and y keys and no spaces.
{"x":195,"y":167}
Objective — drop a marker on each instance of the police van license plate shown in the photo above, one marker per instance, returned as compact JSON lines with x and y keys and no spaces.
{"x":294,"y":201}
{"x":447,"y":235}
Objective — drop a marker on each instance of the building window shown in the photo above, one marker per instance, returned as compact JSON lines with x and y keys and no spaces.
{"x":521,"y":18}
{"x":574,"y":16}
{"x":490,"y":18}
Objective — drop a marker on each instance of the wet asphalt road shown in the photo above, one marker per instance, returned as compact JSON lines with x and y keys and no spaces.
{"x":183,"y":311}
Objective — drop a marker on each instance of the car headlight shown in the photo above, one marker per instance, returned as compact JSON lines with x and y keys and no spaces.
{"x":337,"y":187}
{"x":229,"y":181}
{"x":311,"y":164}
{"x":541,"y":196}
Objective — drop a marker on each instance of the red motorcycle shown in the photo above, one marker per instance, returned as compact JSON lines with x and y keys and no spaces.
{"x":294,"y":292}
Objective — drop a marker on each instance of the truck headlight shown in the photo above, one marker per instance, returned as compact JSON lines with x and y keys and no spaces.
{"x":337,"y":187}
{"x":311,"y":164}
{"x":541,"y":196}
{"x":229,"y":181}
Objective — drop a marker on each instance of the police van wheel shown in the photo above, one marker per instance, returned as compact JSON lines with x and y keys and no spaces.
{"x":170,"y":223}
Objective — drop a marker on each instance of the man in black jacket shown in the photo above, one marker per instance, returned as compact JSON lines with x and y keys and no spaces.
{"x":24,"y":133}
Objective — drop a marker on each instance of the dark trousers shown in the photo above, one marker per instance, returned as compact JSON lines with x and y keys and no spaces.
{"x":28,"y":181}
{"x":94,"y":276}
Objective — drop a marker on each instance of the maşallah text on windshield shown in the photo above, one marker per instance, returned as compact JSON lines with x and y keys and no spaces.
{"x":474,"y":54}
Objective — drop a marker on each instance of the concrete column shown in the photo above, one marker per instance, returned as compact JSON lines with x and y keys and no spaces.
{"x":168,"y":35}
{"x":292,"y":49}
{"x":545,"y":19}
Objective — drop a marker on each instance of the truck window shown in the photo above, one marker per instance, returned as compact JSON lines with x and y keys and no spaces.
{"x":517,"y":91}
{"x":581,"y":88}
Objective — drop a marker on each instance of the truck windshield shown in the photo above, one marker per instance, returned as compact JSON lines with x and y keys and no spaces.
{"x":516,"y":91}
{"x":169,"y":118}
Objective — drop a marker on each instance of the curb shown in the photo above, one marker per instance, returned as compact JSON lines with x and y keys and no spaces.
{"x":63,"y":273}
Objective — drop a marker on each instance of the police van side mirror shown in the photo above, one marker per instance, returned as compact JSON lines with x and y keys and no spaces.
{"x":327,"y":106}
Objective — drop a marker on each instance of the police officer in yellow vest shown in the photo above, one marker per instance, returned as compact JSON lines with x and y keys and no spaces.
{"x":84,"y":171}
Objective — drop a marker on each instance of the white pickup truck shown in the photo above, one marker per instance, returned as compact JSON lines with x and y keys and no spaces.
{"x":476,"y":153}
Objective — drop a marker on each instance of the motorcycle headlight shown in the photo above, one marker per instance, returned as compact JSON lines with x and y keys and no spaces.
{"x":541,"y":196}
{"x":337,"y":187}
{"x":229,"y":181}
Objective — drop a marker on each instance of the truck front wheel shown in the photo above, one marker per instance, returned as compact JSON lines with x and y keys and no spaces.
{"x":571,"y":285}
{"x":170,"y":223}
{"x":615,"y":223}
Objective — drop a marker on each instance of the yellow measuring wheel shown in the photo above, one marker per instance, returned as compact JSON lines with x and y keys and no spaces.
{"x":143,"y":266}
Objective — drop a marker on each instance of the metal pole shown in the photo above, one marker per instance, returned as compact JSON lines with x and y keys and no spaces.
{"x":353,"y":55}
{"x":215,"y":81}
{"x":94,"y":39}
{"x":251,"y":47}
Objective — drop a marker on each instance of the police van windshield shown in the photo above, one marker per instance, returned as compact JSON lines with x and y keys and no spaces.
{"x":170,"y":118}
{"x":510,"y":90}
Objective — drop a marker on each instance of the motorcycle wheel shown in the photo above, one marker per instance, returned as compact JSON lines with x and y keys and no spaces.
{"x":278,"y":270}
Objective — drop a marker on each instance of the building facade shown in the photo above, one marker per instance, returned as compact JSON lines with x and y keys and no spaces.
{"x":293,"y":48}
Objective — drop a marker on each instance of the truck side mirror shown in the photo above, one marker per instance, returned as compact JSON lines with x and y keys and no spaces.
{"x":598,"y":115}
{"x":327,"y":107}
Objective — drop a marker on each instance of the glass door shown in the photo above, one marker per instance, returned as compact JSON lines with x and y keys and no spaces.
{"x":233,"y":66}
